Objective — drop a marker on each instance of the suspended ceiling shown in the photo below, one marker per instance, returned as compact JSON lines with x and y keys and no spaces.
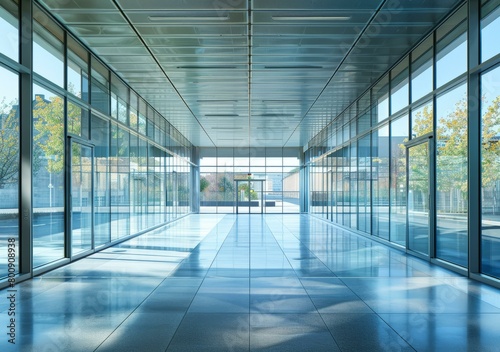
{"x":236,"y":73}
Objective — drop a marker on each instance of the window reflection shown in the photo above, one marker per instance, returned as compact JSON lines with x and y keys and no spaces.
{"x":380,"y":183}
{"x":422,"y":70}
{"x":451,"y":176}
{"x":422,"y":119}
{"x":490,"y":27}
{"x":490,"y":166}
{"x":9,"y":167}
{"x":451,"y":48}
{"x":48,"y":49}
{"x":48,"y":176}
{"x":9,"y":27}
{"x":399,"y":135}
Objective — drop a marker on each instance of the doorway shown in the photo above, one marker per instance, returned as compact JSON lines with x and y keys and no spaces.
{"x":81,"y":219}
{"x":250,"y":196}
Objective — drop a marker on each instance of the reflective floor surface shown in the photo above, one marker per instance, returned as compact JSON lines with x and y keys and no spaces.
{"x":251,"y":283}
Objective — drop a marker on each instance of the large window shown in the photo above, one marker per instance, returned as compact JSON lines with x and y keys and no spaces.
{"x":421,"y":70}
{"x":48,"y":49}
{"x":451,"y":50}
{"x":9,"y":27}
{"x":9,"y":171}
{"x":277,"y":168}
{"x":451,"y":176}
{"x":48,"y":176}
{"x":490,"y":27}
{"x":399,"y":135}
{"x":490,"y":160}
{"x":380,"y":183}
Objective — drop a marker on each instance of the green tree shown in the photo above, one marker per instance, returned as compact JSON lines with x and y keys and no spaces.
{"x":490,"y":156}
{"x":226,"y":188}
{"x":249,"y":193}
{"x":49,"y":131}
{"x":204,"y":184}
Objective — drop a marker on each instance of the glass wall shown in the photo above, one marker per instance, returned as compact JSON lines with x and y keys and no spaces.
{"x":9,"y":27}
{"x":411,"y":152}
{"x":9,"y":173}
{"x":451,"y":176}
{"x":490,"y":166}
{"x":48,"y":176}
{"x":399,"y":135}
{"x":278,"y":168}
{"x":109,"y":167}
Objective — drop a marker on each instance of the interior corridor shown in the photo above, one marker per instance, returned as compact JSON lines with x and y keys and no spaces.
{"x":252,"y":282}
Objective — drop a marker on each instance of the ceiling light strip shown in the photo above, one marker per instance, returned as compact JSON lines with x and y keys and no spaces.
{"x":188,"y":18}
{"x":311,"y":18}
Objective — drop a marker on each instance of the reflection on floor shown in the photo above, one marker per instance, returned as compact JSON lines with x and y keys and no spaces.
{"x":252,"y":282}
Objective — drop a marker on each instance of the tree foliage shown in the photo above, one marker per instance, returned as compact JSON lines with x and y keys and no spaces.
{"x":204,"y":184}
{"x":49,"y":131}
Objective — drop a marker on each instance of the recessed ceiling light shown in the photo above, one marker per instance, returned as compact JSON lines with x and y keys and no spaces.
{"x":227,"y":128}
{"x":292,"y":67}
{"x":221,"y":115}
{"x":206,"y":67}
{"x":273,"y":127}
{"x":188,"y":18}
{"x":311,"y":18}
{"x":274,"y":115}
{"x":216,"y":101}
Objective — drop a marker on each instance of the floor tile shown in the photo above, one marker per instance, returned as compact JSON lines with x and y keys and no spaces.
{"x":290,"y":332}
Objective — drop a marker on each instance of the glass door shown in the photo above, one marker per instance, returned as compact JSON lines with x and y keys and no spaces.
{"x":419,"y":197}
{"x":242,"y":197}
{"x":82,"y":197}
{"x":249,"y":196}
{"x":256,"y":197}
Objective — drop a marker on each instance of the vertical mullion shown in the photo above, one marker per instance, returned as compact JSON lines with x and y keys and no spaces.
{"x":474,"y":137}
{"x":26,"y":133}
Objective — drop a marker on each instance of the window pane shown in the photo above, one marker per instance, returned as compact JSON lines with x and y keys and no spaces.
{"x":451,"y":176}
{"x":422,"y":120}
{"x":77,"y":120}
{"x":399,"y":87}
{"x":451,"y":57}
{"x":490,"y":159}
{"x":422,"y":67}
{"x":381,"y":99}
{"x":380,"y":183}
{"x":9,"y":170}
{"x":48,"y":176}
{"x":77,"y":70}
{"x":9,"y":27}
{"x":364,"y":187}
{"x":100,"y":139}
{"x":399,"y":135}
{"x":48,"y":49}
{"x":490,"y":27}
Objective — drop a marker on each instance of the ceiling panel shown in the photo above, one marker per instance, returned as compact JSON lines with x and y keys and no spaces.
{"x":264,"y":73}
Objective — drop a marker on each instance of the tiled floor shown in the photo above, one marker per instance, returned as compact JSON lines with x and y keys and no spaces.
{"x":252,"y":282}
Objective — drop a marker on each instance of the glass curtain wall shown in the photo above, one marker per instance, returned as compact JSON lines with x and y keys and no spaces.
{"x":124,"y":151}
{"x":277,"y":169}
{"x":425,"y":94}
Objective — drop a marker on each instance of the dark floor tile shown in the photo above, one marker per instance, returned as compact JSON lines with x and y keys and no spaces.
{"x":290,"y":332}
{"x":363,"y":332}
{"x":212,"y":332}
